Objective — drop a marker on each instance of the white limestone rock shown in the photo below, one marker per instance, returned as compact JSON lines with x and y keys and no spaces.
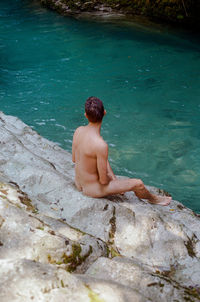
{"x":37,"y":193}
{"x":25,"y":280}
{"x":26,"y":235}
{"x":146,"y":280}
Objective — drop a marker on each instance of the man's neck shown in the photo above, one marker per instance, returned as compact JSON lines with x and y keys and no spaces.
{"x":96,"y":127}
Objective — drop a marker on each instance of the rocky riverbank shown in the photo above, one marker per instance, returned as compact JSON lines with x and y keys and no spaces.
{"x":58,"y":245}
{"x":179,"y":12}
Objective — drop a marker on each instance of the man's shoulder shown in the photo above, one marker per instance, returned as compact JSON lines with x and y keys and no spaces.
{"x":79,"y":129}
{"x":102,"y":145}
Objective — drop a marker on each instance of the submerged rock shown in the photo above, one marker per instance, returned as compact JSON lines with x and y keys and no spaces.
{"x":57,"y":244}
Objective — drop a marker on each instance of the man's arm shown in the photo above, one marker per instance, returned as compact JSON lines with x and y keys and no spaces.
{"x":111,"y":175}
{"x":102,"y":164}
{"x":73,"y":155}
{"x":75,"y":140}
{"x":73,"y":146}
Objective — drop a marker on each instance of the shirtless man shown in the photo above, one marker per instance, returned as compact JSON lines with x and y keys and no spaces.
{"x":93,"y":174}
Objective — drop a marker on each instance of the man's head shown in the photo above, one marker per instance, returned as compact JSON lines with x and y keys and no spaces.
{"x":94,"y":109}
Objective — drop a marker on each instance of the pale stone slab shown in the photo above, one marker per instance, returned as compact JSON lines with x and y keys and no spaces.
{"x":160,"y":284}
{"x":23,"y":234}
{"x":25,"y":280}
{"x":44,"y":218}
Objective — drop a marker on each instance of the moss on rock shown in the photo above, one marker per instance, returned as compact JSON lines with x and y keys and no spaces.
{"x":174,"y":11}
{"x":112,"y":227}
{"x":17,"y":197}
{"x":190,"y":245}
{"x":74,"y":259}
{"x":94,"y":297}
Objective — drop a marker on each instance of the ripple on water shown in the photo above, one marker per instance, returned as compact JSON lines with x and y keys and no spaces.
{"x":148,"y":79}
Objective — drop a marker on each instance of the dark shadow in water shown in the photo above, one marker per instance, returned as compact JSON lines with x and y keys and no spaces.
{"x":160,"y":35}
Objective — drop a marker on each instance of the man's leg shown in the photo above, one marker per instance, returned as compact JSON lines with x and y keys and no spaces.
{"x":141,"y":192}
{"x":119,"y":186}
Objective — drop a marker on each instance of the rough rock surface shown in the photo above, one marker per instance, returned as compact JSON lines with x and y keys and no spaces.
{"x":184,"y":12}
{"x":58,"y":245}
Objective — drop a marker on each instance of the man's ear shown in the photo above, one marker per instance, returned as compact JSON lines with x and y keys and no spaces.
{"x":86,"y":115}
{"x":105,"y":112}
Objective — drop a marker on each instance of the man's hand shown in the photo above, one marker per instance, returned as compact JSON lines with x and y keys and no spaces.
{"x":110,"y":173}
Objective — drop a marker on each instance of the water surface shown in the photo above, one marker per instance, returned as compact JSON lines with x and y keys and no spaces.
{"x":149,"y":80}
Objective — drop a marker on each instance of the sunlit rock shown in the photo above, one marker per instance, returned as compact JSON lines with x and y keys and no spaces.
{"x":24,"y":280}
{"x":123,"y":249}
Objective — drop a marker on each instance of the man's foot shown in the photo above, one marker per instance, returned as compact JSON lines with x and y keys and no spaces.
{"x":160,"y":200}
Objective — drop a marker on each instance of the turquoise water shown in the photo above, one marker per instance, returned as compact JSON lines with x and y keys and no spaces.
{"x":149,"y":80}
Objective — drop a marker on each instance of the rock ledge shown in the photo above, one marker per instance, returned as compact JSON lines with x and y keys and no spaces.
{"x":58,"y":245}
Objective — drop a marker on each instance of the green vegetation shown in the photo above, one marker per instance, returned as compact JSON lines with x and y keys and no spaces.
{"x":73,"y":260}
{"x":111,"y":249}
{"x":22,"y":196}
{"x":189,"y":244}
{"x":113,"y":227}
{"x":94,"y":297}
{"x":174,"y":11}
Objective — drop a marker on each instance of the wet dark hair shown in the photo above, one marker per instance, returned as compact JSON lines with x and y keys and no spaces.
{"x":94,"y":109}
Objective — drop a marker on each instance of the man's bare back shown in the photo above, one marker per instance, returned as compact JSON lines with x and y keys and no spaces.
{"x":93,"y":174}
{"x":86,"y":145}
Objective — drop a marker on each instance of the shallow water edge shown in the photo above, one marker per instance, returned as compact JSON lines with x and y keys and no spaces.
{"x":147,"y":78}
{"x":176,"y":13}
